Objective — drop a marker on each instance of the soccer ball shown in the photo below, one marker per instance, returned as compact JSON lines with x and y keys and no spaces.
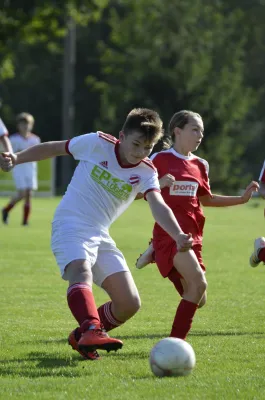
{"x":172,"y":357}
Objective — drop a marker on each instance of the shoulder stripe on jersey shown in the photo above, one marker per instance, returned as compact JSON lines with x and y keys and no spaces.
{"x":262,"y":174}
{"x":149,"y":163}
{"x":107,"y":137}
{"x":67,"y":147}
{"x":205,"y":163}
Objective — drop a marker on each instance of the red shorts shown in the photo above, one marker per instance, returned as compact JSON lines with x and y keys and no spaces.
{"x":165,"y":251}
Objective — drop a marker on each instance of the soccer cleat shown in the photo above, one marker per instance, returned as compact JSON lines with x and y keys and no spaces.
{"x":4,"y":216}
{"x":145,"y":258}
{"x":73,"y":341}
{"x":95,"y":338}
{"x":254,"y":258}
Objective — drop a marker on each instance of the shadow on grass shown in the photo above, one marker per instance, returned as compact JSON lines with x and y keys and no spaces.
{"x":45,"y":341}
{"x":259,"y":335}
{"x":39,"y":364}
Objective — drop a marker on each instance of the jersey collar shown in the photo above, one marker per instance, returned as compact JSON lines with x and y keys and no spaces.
{"x":173,"y":151}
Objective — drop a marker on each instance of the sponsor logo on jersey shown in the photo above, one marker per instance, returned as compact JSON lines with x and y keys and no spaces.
{"x":104,"y":164}
{"x":117,"y":187}
{"x":184,"y":188}
{"x":134,"y":179}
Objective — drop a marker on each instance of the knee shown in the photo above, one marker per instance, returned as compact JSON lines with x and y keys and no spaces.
{"x":77,"y":272}
{"x":199,"y":287}
{"x":129,"y":307}
{"x":202,"y":301}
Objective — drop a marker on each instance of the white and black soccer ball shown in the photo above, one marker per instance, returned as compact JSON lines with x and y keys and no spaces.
{"x":172,"y":357}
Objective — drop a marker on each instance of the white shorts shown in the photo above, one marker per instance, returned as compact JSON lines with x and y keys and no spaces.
{"x":25,"y":176}
{"x":71,"y":242}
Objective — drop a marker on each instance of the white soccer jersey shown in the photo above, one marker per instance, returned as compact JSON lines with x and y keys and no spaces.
{"x":3,"y":129}
{"x":25,"y":175}
{"x":102,"y":188}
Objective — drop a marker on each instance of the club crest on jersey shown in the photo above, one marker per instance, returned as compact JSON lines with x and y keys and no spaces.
{"x":184,"y":188}
{"x":134,"y":179}
{"x":104,"y":164}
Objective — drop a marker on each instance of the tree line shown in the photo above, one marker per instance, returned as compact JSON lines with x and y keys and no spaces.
{"x":203,"y":55}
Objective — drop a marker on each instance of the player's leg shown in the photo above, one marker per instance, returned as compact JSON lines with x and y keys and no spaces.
{"x":181,"y":285}
{"x":75,"y":258}
{"x":193,"y":279}
{"x":125,"y":300}
{"x":258,"y":254}
{"x":147,"y":257}
{"x":13,"y":201}
{"x":111,"y":272}
{"x":27,"y":206}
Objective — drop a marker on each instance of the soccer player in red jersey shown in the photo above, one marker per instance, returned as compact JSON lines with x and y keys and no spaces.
{"x":185,"y":187}
{"x":258,"y":254}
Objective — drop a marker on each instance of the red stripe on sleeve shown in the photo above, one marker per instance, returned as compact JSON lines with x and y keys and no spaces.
{"x":151,"y":190}
{"x":67,"y":147}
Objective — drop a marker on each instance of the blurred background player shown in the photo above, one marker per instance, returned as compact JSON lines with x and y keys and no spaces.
{"x":4,"y":140}
{"x":258,"y":254}
{"x":184,"y":184}
{"x":25,"y":176}
{"x":106,"y":181}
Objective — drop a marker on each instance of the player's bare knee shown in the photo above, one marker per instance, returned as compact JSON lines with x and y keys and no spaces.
{"x":78,"y":271}
{"x":202,"y":301}
{"x":129,"y":307}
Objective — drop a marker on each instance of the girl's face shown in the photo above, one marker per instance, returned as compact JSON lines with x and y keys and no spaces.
{"x":189,"y":138}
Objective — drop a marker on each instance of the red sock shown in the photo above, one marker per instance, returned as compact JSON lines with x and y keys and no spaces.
{"x":174,"y":277}
{"x":82,"y":305}
{"x":107,"y":318}
{"x":9,"y":207}
{"x":183,"y":319}
{"x":26,"y":213}
{"x":261,"y":255}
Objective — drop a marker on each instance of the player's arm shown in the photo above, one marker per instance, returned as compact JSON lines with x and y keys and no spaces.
{"x":262,"y":189}
{"x":6,"y":143}
{"x":165,"y":218}
{"x":166,"y":181}
{"x":35,"y":153}
{"x":216,"y":200}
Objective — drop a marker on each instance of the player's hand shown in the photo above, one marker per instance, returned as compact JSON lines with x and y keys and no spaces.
{"x":7,"y":161}
{"x":252,"y":187}
{"x":184,"y":242}
{"x":166,"y":181}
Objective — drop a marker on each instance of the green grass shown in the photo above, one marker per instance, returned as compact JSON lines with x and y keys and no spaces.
{"x":228,"y":334}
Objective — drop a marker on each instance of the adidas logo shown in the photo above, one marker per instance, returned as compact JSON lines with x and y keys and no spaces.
{"x":104,"y":164}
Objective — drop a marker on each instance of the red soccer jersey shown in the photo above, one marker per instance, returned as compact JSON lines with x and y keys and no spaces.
{"x":191,"y":182}
{"x":262,"y":174}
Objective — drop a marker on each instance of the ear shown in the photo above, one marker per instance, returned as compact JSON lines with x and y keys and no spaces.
{"x":121,"y":136}
{"x":176,"y":132}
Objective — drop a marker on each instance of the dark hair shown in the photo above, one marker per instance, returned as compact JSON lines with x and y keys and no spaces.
{"x":145,"y":121}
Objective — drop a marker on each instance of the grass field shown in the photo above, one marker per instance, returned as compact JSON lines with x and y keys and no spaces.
{"x":228,"y":334}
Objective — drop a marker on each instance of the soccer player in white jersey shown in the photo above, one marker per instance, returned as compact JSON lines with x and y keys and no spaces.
{"x":25,"y":176}
{"x":108,"y":177}
{"x":258,"y":254}
{"x":5,"y":142}
{"x":185,"y":187}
